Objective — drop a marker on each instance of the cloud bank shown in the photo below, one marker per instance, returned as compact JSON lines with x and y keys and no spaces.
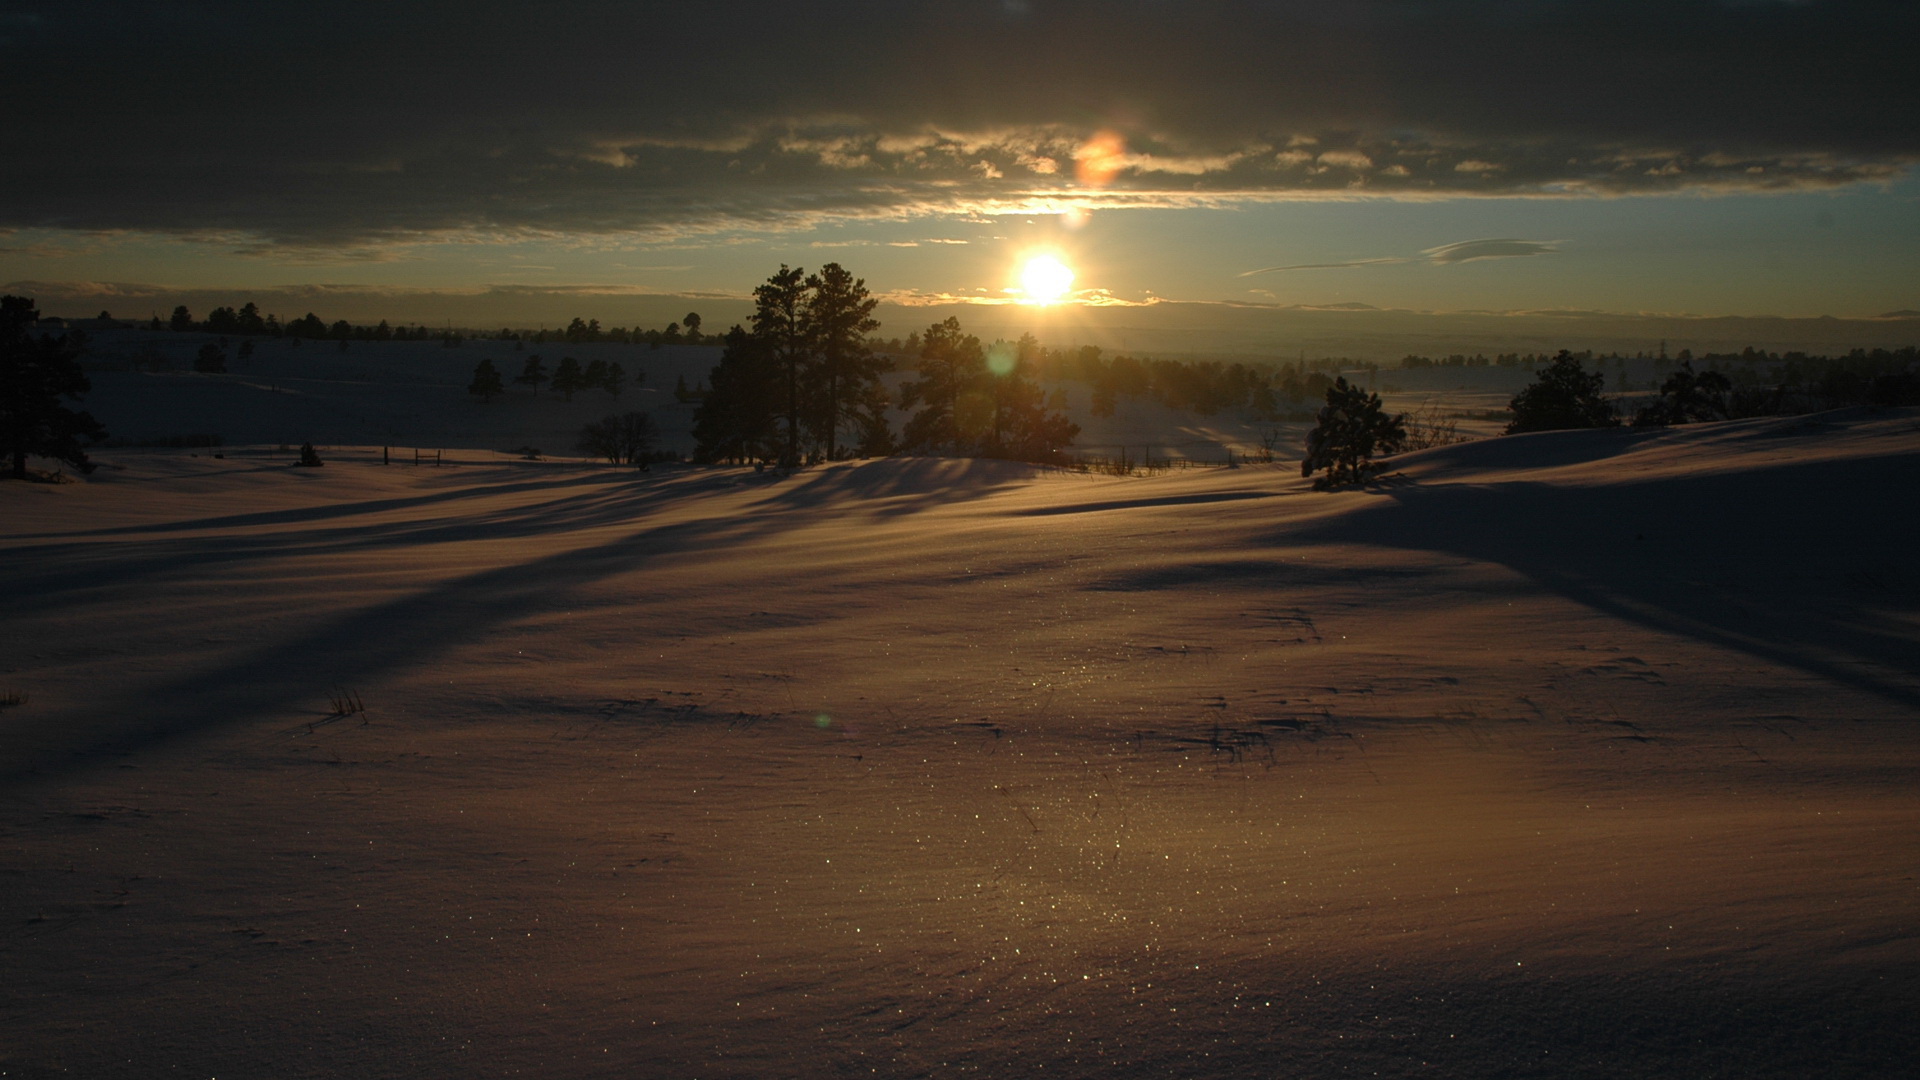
{"x":337,"y":125}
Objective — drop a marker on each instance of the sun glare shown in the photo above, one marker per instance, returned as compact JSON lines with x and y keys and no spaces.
{"x":1045,"y":279}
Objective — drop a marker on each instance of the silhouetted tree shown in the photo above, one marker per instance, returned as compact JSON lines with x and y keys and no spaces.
{"x":692,"y":323}
{"x":248,"y":321}
{"x":1686,"y":398}
{"x":837,"y":317}
{"x":874,"y":432}
{"x":182,"y":320}
{"x":567,"y":378}
{"x":486,"y":381}
{"x":309,"y":457}
{"x":211,"y":359}
{"x":952,"y":413}
{"x":779,"y":321}
{"x":1024,"y":423}
{"x":308,"y":327}
{"x":532,"y":373}
{"x":614,"y":378}
{"x":1563,"y":396}
{"x":738,"y":419}
{"x":1351,"y":429}
{"x":35,"y":373}
{"x":626,"y":438}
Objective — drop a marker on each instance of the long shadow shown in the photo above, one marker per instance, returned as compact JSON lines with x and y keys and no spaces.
{"x":329,"y":511}
{"x":1796,"y":564}
{"x":48,"y":576}
{"x":1136,"y":504}
{"x":56,"y":576}
{"x":367,"y":644}
{"x":896,"y":487}
{"x":364,"y":645}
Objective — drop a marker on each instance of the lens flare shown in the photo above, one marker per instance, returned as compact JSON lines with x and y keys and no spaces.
{"x":1045,"y":279}
{"x":1100,"y":159}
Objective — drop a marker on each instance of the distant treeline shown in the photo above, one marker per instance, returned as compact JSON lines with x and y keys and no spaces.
{"x":1758,"y":382}
{"x":247,"y":320}
{"x":1775,"y":384}
{"x":1205,"y":387}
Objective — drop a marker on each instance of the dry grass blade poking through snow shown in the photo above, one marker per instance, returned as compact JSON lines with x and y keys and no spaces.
{"x":346,"y":702}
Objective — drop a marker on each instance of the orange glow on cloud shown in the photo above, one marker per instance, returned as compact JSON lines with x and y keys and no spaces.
{"x":1100,"y":158}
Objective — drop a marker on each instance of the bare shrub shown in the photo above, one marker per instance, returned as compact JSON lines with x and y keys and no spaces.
{"x":1427,"y":428}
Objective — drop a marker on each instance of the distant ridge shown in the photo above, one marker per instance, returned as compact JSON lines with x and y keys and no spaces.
{"x":1903,"y":313}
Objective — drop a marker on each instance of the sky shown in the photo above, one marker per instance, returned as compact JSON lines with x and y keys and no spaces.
{"x":1681,"y":157}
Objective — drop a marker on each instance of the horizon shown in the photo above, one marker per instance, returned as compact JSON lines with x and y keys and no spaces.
{"x":1445,"y":160}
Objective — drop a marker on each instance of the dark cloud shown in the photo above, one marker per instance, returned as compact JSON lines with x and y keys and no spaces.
{"x":335,"y":124}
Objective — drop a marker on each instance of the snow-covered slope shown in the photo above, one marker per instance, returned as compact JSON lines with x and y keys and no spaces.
{"x":1568,"y":754}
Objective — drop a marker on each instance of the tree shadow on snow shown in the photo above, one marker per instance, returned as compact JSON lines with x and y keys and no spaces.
{"x":365,"y":645}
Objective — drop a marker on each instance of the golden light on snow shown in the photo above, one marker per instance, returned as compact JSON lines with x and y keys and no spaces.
{"x":1044,"y":279}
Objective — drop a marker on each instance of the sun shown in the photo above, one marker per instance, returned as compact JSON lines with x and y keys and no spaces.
{"x":1045,"y":279}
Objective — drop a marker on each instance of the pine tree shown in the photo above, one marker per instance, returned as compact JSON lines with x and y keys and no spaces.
{"x":1686,"y":398}
{"x":1563,"y":396}
{"x":35,"y":373}
{"x":1351,"y":429}
{"x":486,"y":381}
{"x":532,"y":373}
{"x":567,"y":378}
{"x":739,"y":416}
{"x":839,"y":317}
{"x":779,"y":321}
{"x":951,"y":415}
{"x":874,"y":430}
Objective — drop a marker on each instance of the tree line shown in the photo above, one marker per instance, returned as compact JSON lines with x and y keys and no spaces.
{"x":248,"y":321}
{"x":1352,"y":426}
{"x":568,"y":378}
{"x":803,"y":383}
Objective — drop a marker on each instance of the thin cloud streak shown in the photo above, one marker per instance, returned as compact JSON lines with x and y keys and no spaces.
{"x":1445,"y":255}
{"x":1473,"y":250}
{"x":1349,"y":265}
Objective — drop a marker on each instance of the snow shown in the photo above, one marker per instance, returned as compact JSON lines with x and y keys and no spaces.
{"x":1562,"y":754}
